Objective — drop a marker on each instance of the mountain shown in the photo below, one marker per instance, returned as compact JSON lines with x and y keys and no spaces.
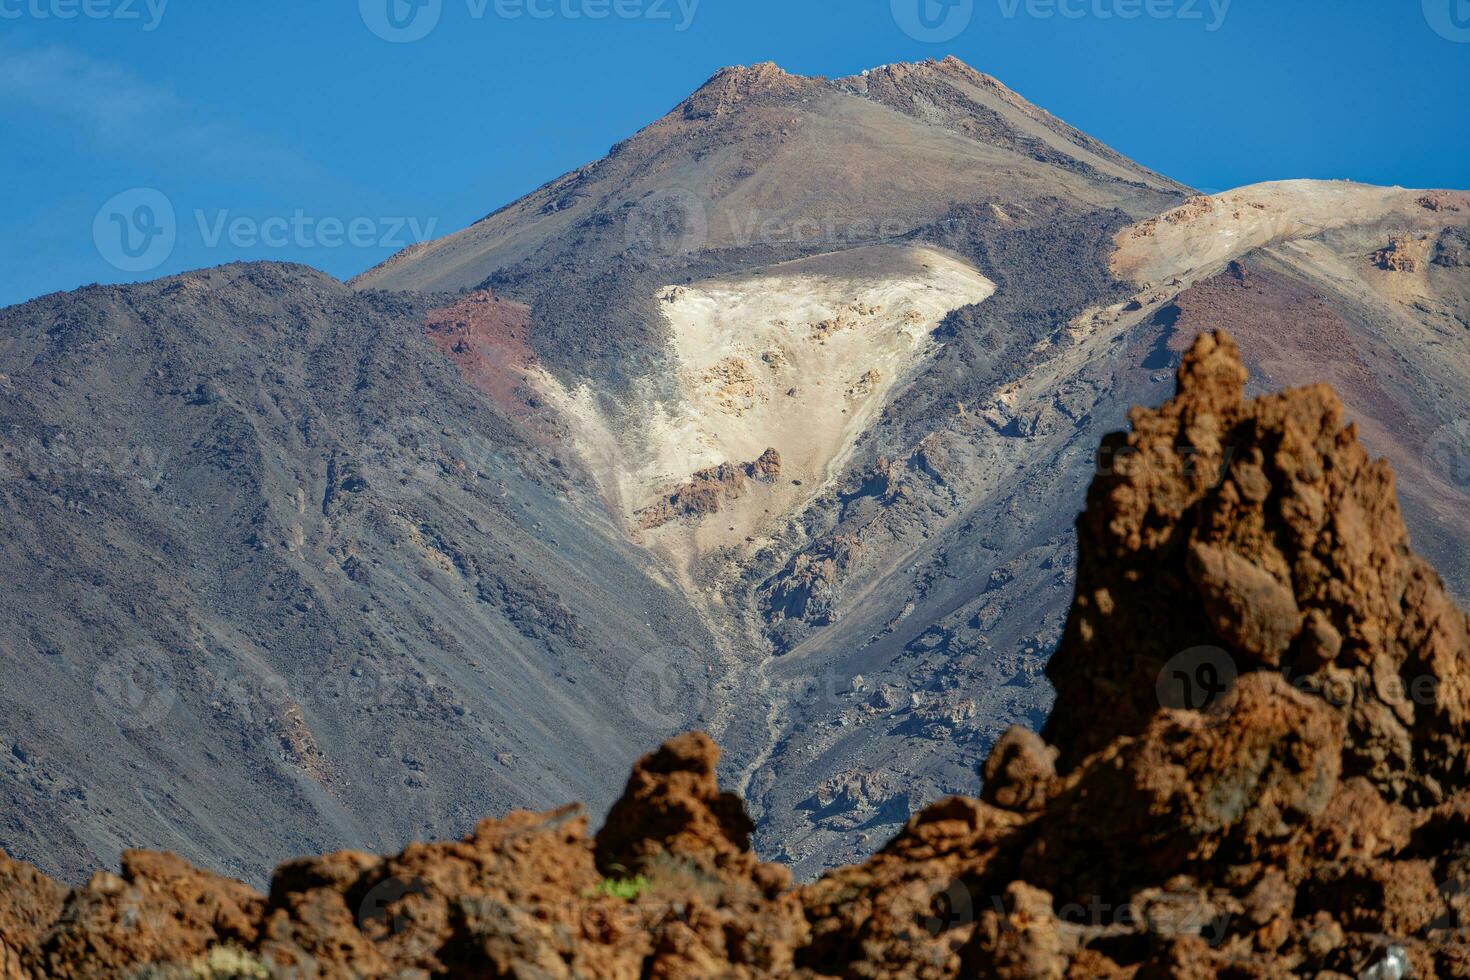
{"x":1306,"y":817}
{"x":775,"y":422}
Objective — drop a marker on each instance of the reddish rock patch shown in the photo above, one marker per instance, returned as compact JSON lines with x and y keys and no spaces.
{"x":1294,"y":337}
{"x":488,"y":339}
{"x":708,"y":490}
{"x":1396,"y":256}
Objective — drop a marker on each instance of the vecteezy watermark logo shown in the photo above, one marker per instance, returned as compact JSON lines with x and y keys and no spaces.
{"x":669,"y":222}
{"x":1211,"y":13}
{"x":659,"y":684}
{"x":756,"y":228}
{"x":249,"y":696}
{"x":1449,"y":18}
{"x":136,"y":231}
{"x":385,"y":897}
{"x":301,"y":230}
{"x":149,"y":12}
{"x":1199,"y":679}
{"x":1448,"y":454}
{"x":933,"y":21}
{"x":135,"y":687}
{"x":58,"y":458}
{"x":946,"y":909}
{"x":401,"y":21}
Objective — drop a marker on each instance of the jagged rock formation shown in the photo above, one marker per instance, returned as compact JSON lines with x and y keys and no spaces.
{"x":803,"y":590}
{"x":766,"y":469}
{"x":710,"y":489}
{"x":1257,"y":512}
{"x":1397,"y":256}
{"x":1257,"y":768}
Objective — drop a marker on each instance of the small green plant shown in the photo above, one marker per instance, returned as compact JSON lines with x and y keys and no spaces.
{"x":625,"y":888}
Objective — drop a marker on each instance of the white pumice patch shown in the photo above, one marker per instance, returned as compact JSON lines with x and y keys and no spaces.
{"x":800,"y":357}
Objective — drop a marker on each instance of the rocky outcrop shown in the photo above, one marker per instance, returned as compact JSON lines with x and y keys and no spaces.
{"x":1261,"y":716}
{"x":805,"y":590}
{"x":708,"y":490}
{"x":1256,"y":767}
{"x":673,"y":807}
{"x":1396,"y":256}
{"x":732,"y":87}
{"x":1021,"y":772}
{"x":766,"y":469}
{"x":1278,"y":493}
{"x":159,"y":909}
{"x":1439,"y":201}
{"x":1453,"y":249}
{"x":705,"y":493}
{"x":674,"y":827}
{"x":29,"y":903}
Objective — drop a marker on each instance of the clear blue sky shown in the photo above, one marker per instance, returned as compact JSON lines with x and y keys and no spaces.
{"x":268,"y":109}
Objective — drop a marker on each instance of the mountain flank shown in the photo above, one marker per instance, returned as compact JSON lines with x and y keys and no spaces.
{"x":1303,"y":814}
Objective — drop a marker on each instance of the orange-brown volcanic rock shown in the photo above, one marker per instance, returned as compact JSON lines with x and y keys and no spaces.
{"x":1263,"y":529}
{"x":488,"y":340}
{"x":159,"y":908}
{"x":1257,"y":767}
{"x":673,"y":806}
{"x":29,"y":903}
{"x":708,"y":490}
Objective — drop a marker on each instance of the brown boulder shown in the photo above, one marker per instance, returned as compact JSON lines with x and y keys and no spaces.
{"x":673,"y":806}
{"x":766,"y":469}
{"x":911,"y":908}
{"x":1262,"y":527}
{"x":1249,"y":609}
{"x":159,"y":910}
{"x":1191,"y":789}
{"x":29,"y":904}
{"x":1021,"y":939}
{"x":1020,"y":773}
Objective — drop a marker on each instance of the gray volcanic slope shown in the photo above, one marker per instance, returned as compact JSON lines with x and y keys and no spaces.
{"x":473,"y":532}
{"x":262,"y":541}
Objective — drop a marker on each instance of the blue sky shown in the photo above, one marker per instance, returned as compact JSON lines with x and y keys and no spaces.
{"x":291,"y":130}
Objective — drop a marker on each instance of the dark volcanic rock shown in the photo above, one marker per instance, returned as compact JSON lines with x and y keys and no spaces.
{"x":1453,"y":249}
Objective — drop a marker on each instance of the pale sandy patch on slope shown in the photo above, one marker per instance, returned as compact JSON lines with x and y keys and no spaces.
{"x":1200,"y":236}
{"x":799,"y":357}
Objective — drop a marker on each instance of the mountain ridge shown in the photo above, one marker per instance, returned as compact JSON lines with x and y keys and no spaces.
{"x":759,"y":90}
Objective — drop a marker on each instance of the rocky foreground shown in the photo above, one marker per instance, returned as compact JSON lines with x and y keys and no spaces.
{"x":1257,"y":766}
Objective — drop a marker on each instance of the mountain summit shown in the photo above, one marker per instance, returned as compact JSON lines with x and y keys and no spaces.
{"x":763,"y":154}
